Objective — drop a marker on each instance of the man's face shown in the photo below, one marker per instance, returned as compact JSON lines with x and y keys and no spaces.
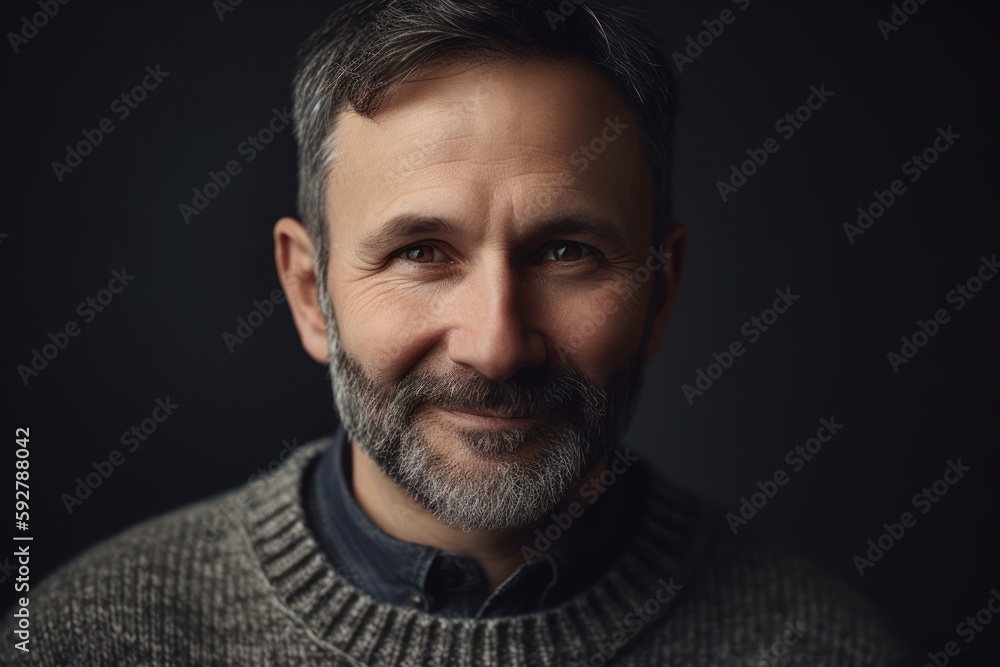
{"x":474,"y":245}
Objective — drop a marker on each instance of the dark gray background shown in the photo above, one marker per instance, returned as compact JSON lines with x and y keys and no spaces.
{"x":826,"y":357}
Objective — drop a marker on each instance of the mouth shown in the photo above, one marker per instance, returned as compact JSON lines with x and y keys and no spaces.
{"x":495,"y":418}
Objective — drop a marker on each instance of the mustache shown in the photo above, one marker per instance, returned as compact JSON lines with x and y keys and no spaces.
{"x":532,"y":391}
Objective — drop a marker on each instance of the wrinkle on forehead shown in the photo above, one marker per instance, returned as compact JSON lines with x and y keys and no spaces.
{"x":484,"y":122}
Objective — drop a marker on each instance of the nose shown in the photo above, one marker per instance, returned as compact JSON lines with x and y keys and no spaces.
{"x":494,"y":331}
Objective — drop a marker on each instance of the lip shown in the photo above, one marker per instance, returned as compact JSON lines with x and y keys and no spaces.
{"x":491,"y":413}
{"x":494,"y":418}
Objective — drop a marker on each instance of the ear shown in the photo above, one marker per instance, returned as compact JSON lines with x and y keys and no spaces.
{"x":664,"y":296}
{"x":293,"y":257}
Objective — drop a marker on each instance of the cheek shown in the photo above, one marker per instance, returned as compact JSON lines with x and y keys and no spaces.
{"x":600,"y":332}
{"x":386,"y":327}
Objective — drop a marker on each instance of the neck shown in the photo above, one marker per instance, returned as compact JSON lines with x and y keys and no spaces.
{"x":394,"y":511}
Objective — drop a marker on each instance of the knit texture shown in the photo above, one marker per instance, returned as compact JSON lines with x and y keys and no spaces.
{"x":240,"y":580}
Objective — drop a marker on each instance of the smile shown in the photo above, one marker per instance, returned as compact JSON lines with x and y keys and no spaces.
{"x":494,"y":418}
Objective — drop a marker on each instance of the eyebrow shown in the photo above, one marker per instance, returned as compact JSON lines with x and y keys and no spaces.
{"x":404,"y":226}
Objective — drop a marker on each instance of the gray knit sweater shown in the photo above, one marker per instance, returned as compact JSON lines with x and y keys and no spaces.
{"x":241,"y":580}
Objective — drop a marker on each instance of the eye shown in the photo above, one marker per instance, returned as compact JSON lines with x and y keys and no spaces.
{"x":567,"y":251}
{"x":423,"y":253}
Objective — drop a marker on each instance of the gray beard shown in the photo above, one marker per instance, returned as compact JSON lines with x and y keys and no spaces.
{"x":505,"y":489}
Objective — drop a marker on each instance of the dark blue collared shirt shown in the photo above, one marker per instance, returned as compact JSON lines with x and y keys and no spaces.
{"x":574,"y":551}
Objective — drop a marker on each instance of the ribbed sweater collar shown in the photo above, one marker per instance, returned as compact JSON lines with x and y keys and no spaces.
{"x":663,"y":549}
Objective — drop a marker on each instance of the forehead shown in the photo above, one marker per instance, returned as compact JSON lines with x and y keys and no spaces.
{"x":487,"y":134}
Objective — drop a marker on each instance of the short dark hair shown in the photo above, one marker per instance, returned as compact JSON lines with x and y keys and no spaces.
{"x":367,"y":47}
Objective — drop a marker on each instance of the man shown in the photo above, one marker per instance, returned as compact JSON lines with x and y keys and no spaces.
{"x":486,"y":262}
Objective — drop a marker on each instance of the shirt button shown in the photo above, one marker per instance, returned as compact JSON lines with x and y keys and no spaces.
{"x":417,"y":601}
